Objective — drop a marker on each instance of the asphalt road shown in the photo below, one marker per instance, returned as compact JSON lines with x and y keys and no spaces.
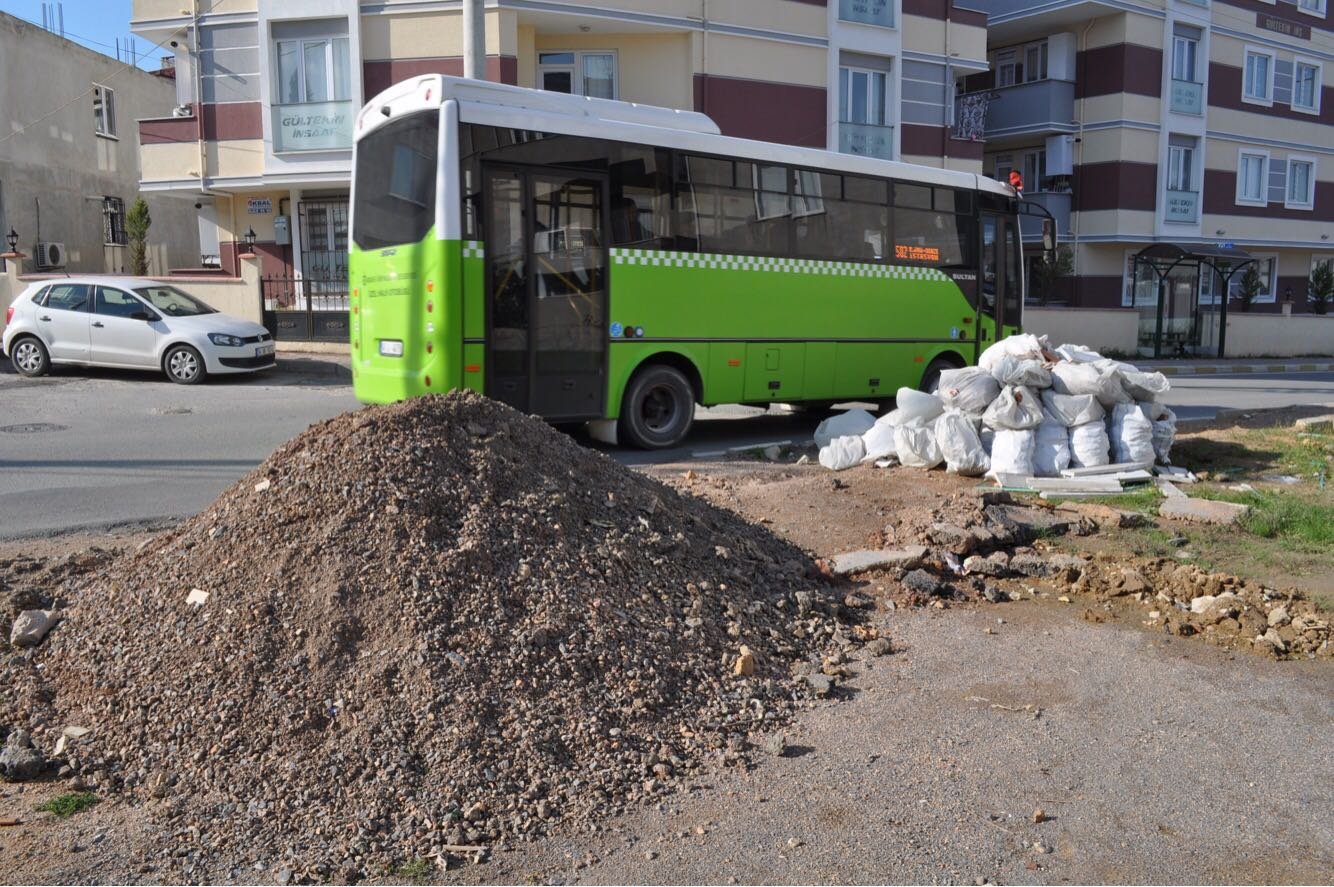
{"x":92,"y":449}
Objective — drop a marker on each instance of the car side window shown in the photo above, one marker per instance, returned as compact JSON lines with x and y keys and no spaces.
{"x":117,"y":303}
{"x":68,"y":297}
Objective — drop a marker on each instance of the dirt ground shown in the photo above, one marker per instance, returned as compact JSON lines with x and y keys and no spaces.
{"x":1152,"y":756}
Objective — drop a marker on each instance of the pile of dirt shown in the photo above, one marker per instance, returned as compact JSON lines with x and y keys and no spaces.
{"x":433,"y":624}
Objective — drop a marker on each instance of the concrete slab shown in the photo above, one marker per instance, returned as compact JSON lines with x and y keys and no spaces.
{"x":879,"y":559}
{"x":1205,"y":511}
{"x":1316,"y":424}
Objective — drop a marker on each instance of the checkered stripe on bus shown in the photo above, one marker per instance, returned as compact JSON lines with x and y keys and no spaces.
{"x":474,"y":249}
{"x":772,"y":264}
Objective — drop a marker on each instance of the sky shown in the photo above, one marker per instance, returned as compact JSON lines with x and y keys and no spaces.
{"x":96,"y":24}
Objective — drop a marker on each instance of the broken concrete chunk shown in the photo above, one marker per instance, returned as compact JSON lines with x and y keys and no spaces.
{"x":19,"y":760}
{"x":1278,"y":617}
{"x":921,"y":582}
{"x":995,"y":564}
{"x":822,"y":684}
{"x":883,"y":559}
{"x":197,"y":596}
{"x":263,"y":485}
{"x":1316,"y":424}
{"x":1206,"y":511}
{"x":954,"y":539}
{"x":31,"y":626}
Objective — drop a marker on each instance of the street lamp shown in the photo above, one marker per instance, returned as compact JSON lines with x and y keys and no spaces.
{"x":12,"y":238}
{"x":250,"y":242}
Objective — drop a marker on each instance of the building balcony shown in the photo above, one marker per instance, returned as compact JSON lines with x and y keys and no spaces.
{"x":1058,"y":203}
{"x":313,"y":126}
{"x":866,"y":140}
{"x":1042,"y":107}
{"x":1182,"y":207}
{"x":1187,"y":97}
{"x":867,"y":12}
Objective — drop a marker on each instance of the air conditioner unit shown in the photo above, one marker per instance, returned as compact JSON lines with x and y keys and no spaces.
{"x":50,"y":255}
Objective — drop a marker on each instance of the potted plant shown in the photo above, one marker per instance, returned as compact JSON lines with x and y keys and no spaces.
{"x":1320,"y":288}
{"x":1250,"y":287}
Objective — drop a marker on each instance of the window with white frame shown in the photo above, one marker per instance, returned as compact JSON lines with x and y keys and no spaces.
{"x":1306,"y":86}
{"x":580,"y":73}
{"x":1184,"y":51}
{"x":1004,"y":166}
{"x":1035,"y":170}
{"x":1035,"y":62}
{"x":1211,"y":285}
{"x":1181,"y":167}
{"x":1258,"y":78}
{"x":1252,"y":178}
{"x":104,"y":110}
{"x":862,"y":96}
{"x":1312,"y":7}
{"x":1007,"y":68}
{"x":315,"y":69}
{"x":1301,"y":183}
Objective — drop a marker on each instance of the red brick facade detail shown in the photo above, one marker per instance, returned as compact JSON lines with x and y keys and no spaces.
{"x":1123,"y":67}
{"x":1220,"y":198}
{"x":1119,"y":184}
{"x":166,"y":130}
{"x":378,"y":76}
{"x":233,"y":120}
{"x":758,"y":109}
{"x":1225,"y":92}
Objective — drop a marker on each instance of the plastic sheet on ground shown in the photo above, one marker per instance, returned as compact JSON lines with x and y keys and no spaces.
{"x":915,"y":443}
{"x":1051,"y":450}
{"x":971,"y":389}
{"x":960,"y":444}
{"x":1016,"y":408}
{"x":1089,"y":446}
{"x":852,"y":422}
{"x":1073,"y":409}
{"x":842,"y":452}
{"x":1012,"y":452}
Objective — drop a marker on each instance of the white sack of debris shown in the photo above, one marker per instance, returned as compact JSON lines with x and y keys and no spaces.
{"x":852,"y":422}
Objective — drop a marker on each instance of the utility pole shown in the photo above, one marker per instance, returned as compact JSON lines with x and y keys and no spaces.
{"x":474,"y":39}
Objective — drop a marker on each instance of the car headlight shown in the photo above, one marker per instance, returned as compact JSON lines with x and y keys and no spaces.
{"x":224,"y":339}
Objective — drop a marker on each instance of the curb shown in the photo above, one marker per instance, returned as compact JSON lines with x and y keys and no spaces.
{"x":1220,"y":369}
{"x":1231,"y":414}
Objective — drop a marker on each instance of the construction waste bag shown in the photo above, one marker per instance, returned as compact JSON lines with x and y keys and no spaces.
{"x":1024,"y":347}
{"x":913,"y":404}
{"x":960,"y":444}
{"x":1078,"y":354}
{"x":1015,"y":409}
{"x":1164,"y":431}
{"x":1073,"y":409}
{"x":970,"y":389}
{"x":1051,"y":449}
{"x":1103,"y":382}
{"x":1025,"y":372}
{"x":1089,"y":445}
{"x":852,"y":422}
{"x":1144,"y":386}
{"x":1131,"y":434}
{"x":1012,"y":452}
{"x":878,"y":441}
{"x":842,"y":452}
{"x":915,"y":444}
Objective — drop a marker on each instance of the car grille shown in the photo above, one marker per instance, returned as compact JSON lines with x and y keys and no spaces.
{"x":262,"y":337}
{"x":263,"y":360}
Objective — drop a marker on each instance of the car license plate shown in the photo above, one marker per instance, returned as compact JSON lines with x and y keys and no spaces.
{"x":264,"y":350}
{"x":391,"y":347}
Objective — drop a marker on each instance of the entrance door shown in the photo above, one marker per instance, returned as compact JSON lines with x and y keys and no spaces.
{"x":1001,"y":290}
{"x":546,"y":292}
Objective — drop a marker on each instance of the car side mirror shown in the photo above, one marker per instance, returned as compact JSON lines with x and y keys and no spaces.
{"x":144,"y":315}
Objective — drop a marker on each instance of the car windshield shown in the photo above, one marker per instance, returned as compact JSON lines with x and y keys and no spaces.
{"x":173,"y":302}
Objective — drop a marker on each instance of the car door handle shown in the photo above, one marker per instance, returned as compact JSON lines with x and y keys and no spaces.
{"x":45,"y":317}
{"x":99,"y":324}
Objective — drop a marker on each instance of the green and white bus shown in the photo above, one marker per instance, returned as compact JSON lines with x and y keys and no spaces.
{"x":590,"y":260}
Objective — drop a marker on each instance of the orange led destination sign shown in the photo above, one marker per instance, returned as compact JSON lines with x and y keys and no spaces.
{"x":916,"y":253}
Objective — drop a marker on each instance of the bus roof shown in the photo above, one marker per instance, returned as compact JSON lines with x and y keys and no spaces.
{"x":516,"y":107}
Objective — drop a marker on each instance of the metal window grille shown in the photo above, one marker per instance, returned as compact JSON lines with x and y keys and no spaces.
{"x":113,"y":221}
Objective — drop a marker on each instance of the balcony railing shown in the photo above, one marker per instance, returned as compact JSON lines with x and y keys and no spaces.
{"x":312,"y":126}
{"x":867,"y":12}
{"x":1182,"y":206}
{"x":866,"y":140}
{"x":1025,"y":109}
{"x":1187,"y":97}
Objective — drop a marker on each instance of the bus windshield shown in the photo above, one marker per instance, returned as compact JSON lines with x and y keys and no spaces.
{"x":395,"y":182}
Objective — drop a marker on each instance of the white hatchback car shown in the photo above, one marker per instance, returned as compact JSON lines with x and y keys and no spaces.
{"x":131,"y":323}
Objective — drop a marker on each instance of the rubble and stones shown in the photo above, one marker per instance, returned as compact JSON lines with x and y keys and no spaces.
{"x":438,"y":623}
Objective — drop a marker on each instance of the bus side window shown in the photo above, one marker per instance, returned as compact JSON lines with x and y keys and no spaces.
{"x":989,"y":255}
{"x":641,"y":197}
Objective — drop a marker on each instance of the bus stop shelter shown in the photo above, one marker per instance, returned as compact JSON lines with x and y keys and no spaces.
{"x":1173,"y":315}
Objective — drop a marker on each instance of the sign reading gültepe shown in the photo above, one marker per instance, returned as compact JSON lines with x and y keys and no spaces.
{"x":312,"y":126}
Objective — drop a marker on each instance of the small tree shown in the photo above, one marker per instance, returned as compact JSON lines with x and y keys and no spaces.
{"x":137,"y":223}
{"x":1251,"y":284}
{"x":1047,"y":272}
{"x":1320,"y":288}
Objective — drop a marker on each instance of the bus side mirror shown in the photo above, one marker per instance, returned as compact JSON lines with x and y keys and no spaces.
{"x":1049,"y":238}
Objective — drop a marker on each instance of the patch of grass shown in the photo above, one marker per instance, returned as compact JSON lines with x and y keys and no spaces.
{"x":1301,"y":522}
{"x":417,"y":870}
{"x":68,"y":805}
{"x":1143,"y":499}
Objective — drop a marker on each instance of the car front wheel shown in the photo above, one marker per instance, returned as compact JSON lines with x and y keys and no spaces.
{"x":29,"y":356}
{"x":183,"y":365}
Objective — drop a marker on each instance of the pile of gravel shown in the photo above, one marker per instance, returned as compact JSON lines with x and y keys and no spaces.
{"x":432,"y":624}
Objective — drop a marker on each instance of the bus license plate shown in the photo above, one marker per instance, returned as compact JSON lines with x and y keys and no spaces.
{"x":391,"y":348}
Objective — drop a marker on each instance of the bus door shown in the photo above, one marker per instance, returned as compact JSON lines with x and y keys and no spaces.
{"x":546,"y":273}
{"x":1000,"y":293}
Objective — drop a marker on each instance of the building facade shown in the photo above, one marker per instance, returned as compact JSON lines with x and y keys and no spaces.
{"x":1202,"y":123}
{"x":69,"y":156}
{"x":269,"y":89}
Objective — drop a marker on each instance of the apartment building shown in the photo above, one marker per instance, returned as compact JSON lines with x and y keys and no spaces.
{"x":69,"y":156}
{"x":1201,"y":123}
{"x":268,"y":90}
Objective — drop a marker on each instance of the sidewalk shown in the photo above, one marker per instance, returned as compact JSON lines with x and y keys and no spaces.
{"x":1236,"y":365}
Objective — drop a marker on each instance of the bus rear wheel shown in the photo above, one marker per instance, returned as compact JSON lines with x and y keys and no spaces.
{"x":931,"y":378}
{"x":658,"y":409}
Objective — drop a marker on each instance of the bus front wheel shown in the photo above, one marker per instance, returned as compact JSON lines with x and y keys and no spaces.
{"x":658,"y":409}
{"x":931,"y":378}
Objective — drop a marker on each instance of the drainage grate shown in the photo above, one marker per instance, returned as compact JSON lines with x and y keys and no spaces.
{"x":32,"y":428}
